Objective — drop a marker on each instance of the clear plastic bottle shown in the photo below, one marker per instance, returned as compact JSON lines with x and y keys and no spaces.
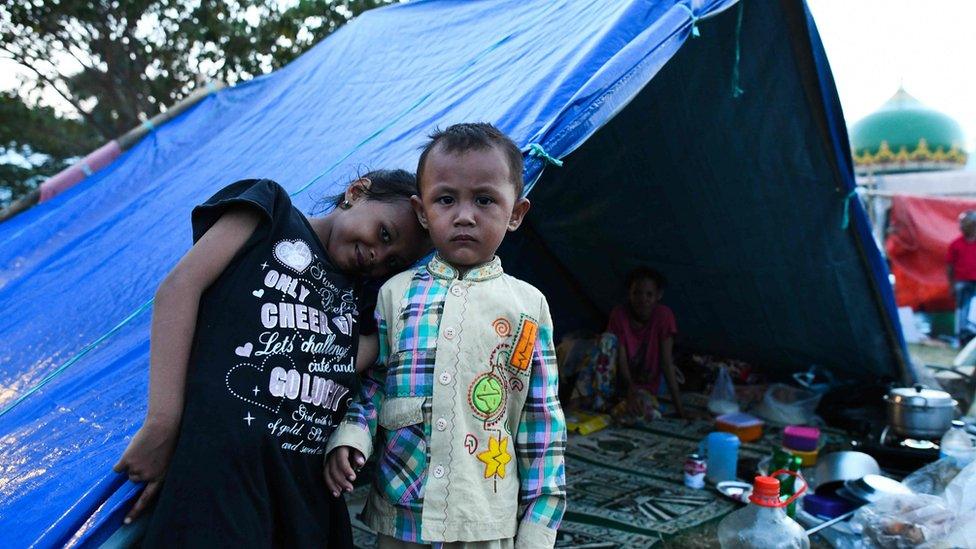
{"x":763,"y":523}
{"x":958,"y":445}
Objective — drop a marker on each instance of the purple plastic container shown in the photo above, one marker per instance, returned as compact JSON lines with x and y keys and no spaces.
{"x":827,"y":506}
{"x":802,"y":438}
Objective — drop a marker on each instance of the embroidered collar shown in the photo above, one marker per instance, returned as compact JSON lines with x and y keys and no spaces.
{"x":486,"y":271}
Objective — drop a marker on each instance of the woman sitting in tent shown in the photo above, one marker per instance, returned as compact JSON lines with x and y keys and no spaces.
{"x":621,"y":370}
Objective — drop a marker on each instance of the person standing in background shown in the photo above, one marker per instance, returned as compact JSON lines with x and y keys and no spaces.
{"x":961,"y":270}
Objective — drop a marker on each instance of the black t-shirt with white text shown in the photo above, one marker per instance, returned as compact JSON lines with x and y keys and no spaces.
{"x":271,"y":372}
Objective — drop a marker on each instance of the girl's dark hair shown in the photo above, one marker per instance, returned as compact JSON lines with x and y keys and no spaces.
{"x":385,"y":186}
{"x":645,"y":273}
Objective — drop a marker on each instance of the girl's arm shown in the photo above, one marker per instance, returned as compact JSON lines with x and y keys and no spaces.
{"x":366,"y":355}
{"x":629,"y":392}
{"x":667,"y":363}
{"x":624,"y":368}
{"x":173,"y":324}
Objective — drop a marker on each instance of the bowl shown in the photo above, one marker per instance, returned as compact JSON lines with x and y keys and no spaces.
{"x":734,"y":489}
{"x":837,"y":467}
{"x":871,"y":488}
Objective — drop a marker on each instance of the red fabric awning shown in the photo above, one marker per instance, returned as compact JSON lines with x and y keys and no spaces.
{"x":919,"y":232}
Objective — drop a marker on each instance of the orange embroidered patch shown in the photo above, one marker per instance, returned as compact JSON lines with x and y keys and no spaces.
{"x":521,"y":357}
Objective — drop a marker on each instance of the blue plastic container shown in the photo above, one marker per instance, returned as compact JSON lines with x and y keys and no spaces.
{"x":721,"y":451}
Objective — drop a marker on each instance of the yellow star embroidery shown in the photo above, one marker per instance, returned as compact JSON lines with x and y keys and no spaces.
{"x":495,"y":457}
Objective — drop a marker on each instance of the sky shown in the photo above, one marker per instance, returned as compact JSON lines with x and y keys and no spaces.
{"x":929,"y":46}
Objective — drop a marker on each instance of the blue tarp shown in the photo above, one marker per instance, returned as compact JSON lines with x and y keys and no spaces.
{"x":768,"y":276}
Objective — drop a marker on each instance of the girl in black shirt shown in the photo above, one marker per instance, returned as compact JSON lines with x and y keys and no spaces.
{"x":253,"y":359}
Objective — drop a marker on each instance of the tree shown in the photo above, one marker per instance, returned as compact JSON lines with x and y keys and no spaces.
{"x":112,"y":63}
{"x":37,"y":144}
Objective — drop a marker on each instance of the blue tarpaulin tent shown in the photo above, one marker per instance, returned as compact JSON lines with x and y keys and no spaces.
{"x":721,"y":160}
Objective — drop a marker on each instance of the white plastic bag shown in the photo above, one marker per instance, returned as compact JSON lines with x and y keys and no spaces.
{"x":933,"y":478}
{"x":960,"y":494}
{"x":903,"y":521}
{"x":722,"y":400}
{"x":789,"y":405}
{"x":946,"y":519}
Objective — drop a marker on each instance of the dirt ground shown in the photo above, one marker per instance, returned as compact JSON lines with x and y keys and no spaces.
{"x":941,"y":355}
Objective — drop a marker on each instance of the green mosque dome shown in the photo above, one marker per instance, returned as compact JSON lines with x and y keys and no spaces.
{"x":905,"y":136}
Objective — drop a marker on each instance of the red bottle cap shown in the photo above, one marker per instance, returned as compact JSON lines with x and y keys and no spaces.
{"x":765,"y":492}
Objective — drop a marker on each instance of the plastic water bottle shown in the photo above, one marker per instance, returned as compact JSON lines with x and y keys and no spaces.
{"x":763,"y":523}
{"x":958,"y":445}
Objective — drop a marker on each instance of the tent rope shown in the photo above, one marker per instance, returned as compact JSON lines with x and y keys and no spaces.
{"x":694,"y":20}
{"x":450,"y":80}
{"x":736,"y":90}
{"x":538,"y":151}
{"x":846,"y":220}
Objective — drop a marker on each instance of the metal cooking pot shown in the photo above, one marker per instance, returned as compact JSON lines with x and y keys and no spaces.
{"x":918,"y":412}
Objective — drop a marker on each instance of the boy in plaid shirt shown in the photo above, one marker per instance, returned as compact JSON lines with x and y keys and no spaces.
{"x":464,"y":396}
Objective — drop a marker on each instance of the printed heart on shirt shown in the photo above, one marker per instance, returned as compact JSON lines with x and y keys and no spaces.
{"x":243,"y":377}
{"x":294,"y":254}
{"x":244,"y":350}
{"x":258,"y":293}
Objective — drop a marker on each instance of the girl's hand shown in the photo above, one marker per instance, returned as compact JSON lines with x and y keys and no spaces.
{"x":369,"y":348}
{"x":341,"y":468}
{"x":146,"y":459}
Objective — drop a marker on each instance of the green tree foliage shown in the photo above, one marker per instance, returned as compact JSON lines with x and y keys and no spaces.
{"x":37,"y":144}
{"x":111,"y":63}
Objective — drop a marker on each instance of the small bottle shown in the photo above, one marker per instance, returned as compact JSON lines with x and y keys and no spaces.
{"x":788,"y":484}
{"x":780,"y":459}
{"x":763,"y":523}
{"x":958,"y":445}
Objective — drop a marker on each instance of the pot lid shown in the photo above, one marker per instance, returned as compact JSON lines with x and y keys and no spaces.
{"x":921,"y":396}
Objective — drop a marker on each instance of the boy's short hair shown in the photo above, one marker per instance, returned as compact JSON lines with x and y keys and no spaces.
{"x":474,"y":136}
{"x":645,"y":273}
{"x":968,"y":216}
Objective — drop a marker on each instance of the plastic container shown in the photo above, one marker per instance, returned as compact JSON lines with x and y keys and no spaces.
{"x":799,"y":437}
{"x":827,"y":506}
{"x":748,"y":428}
{"x":721,"y":451}
{"x":763,"y":523}
{"x":585,"y":423}
{"x":809,"y":459}
{"x":594,"y":424}
{"x":958,"y":445}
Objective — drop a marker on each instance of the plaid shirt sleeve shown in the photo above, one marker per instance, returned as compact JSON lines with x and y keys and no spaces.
{"x":540,"y":446}
{"x":358,"y":428}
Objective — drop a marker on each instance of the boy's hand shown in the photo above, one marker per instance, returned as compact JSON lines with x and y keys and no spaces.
{"x":146,"y":459}
{"x":341,"y":468}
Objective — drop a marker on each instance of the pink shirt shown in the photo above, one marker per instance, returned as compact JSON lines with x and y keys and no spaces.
{"x":645,"y":367}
